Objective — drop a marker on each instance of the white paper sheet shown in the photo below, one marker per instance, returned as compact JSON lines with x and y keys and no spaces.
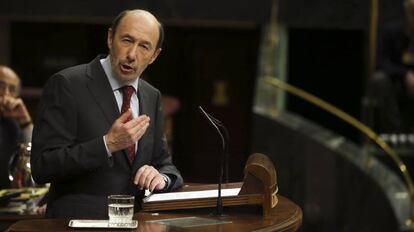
{"x":80,"y":223}
{"x":190,"y":195}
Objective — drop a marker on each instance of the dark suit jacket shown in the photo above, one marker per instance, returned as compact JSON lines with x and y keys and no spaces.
{"x":77,"y":109}
{"x":10,"y":137}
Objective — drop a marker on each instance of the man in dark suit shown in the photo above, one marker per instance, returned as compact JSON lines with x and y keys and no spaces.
{"x":15,"y":121}
{"x":99,"y":126}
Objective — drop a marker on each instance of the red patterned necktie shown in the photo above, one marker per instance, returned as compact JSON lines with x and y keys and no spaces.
{"x":127,"y":92}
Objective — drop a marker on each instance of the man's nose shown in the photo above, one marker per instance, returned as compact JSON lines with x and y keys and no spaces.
{"x":132,"y":53}
{"x":7,"y":92}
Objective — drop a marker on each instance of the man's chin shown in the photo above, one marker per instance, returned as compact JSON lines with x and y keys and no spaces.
{"x":127,"y":78}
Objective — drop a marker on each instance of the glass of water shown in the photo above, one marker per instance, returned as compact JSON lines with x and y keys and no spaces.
{"x":120,"y":210}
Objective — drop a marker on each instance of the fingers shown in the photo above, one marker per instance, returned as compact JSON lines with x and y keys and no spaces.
{"x":157,"y":184}
{"x":138,"y":126}
{"x":14,"y":108}
{"x":144,"y":176}
{"x":9,"y":103}
{"x":124,"y":133}
{"x":147,"y":177}
{"x":140,"y":121}
{"x":125,"y":116}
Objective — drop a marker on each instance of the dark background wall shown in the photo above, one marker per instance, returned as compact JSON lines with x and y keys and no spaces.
{"x":299,"y":13}
{"x":215,"y":43}
{"x":208,"y":43}
{"x":243,"y":10}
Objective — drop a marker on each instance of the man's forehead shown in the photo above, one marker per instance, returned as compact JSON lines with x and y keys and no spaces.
{"x":142,"y":13}
{"x":138,"y":20}
{"x":8,"y":76}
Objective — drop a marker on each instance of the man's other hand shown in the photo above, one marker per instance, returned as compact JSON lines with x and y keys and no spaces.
{"x":147,"y":177}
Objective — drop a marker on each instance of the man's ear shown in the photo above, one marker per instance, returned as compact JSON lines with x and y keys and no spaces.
{"x":155,"y":55}
{"x":110,"y":38}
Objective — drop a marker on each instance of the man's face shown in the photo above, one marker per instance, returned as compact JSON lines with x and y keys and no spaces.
{"x":133,"y":47}
{"x":9,"y":83}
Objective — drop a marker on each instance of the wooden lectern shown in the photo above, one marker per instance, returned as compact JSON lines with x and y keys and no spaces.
{"x":259,"y":187}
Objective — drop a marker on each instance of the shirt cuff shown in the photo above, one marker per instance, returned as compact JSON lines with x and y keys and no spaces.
{"x":106,"y":147}
{"x":27,"y":133}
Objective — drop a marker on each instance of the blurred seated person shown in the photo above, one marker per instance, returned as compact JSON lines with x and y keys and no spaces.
{"x":15,"y":121}
{"x":392,"y":85}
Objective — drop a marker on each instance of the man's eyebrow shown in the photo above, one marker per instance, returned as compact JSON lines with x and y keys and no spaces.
{"x":146,"y":42}
{"x":128,"y":36}
{"x":5,"y":83}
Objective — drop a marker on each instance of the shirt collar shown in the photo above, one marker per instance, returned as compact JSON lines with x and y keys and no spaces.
{"x":115,"y":84}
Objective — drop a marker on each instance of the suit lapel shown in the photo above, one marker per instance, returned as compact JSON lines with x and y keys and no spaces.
{"x":102,"y":91}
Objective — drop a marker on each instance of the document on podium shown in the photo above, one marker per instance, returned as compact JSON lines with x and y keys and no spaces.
{"x":156,"y":197}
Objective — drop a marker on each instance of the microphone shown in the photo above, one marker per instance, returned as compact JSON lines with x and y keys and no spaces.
{"x":226,"y":139}
{"x":215,"y":123}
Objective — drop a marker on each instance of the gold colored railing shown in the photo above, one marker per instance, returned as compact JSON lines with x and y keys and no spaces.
{"x":358,"y":125}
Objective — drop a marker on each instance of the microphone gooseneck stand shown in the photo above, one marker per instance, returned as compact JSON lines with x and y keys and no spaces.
{"x":224,"y":157}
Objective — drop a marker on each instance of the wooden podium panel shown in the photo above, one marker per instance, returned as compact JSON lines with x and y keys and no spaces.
{"x":285,"y":216}
{"x":256,"y":207}
{"x":259,"y":187}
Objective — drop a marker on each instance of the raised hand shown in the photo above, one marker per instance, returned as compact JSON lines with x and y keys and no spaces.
{"x":124,"y":132}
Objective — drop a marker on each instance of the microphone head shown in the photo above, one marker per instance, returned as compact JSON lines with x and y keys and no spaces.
{"x":201,"y":109}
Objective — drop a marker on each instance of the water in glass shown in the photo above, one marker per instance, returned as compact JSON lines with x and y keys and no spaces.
{"x":120,"y":209}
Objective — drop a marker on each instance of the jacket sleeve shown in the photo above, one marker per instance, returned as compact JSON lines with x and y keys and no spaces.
{"x":162,"y":159}
{"x":56,"y":153}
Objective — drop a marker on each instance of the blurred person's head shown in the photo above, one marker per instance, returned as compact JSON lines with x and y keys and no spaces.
{"x":9,"y":82}
{"x":134,"y":42}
